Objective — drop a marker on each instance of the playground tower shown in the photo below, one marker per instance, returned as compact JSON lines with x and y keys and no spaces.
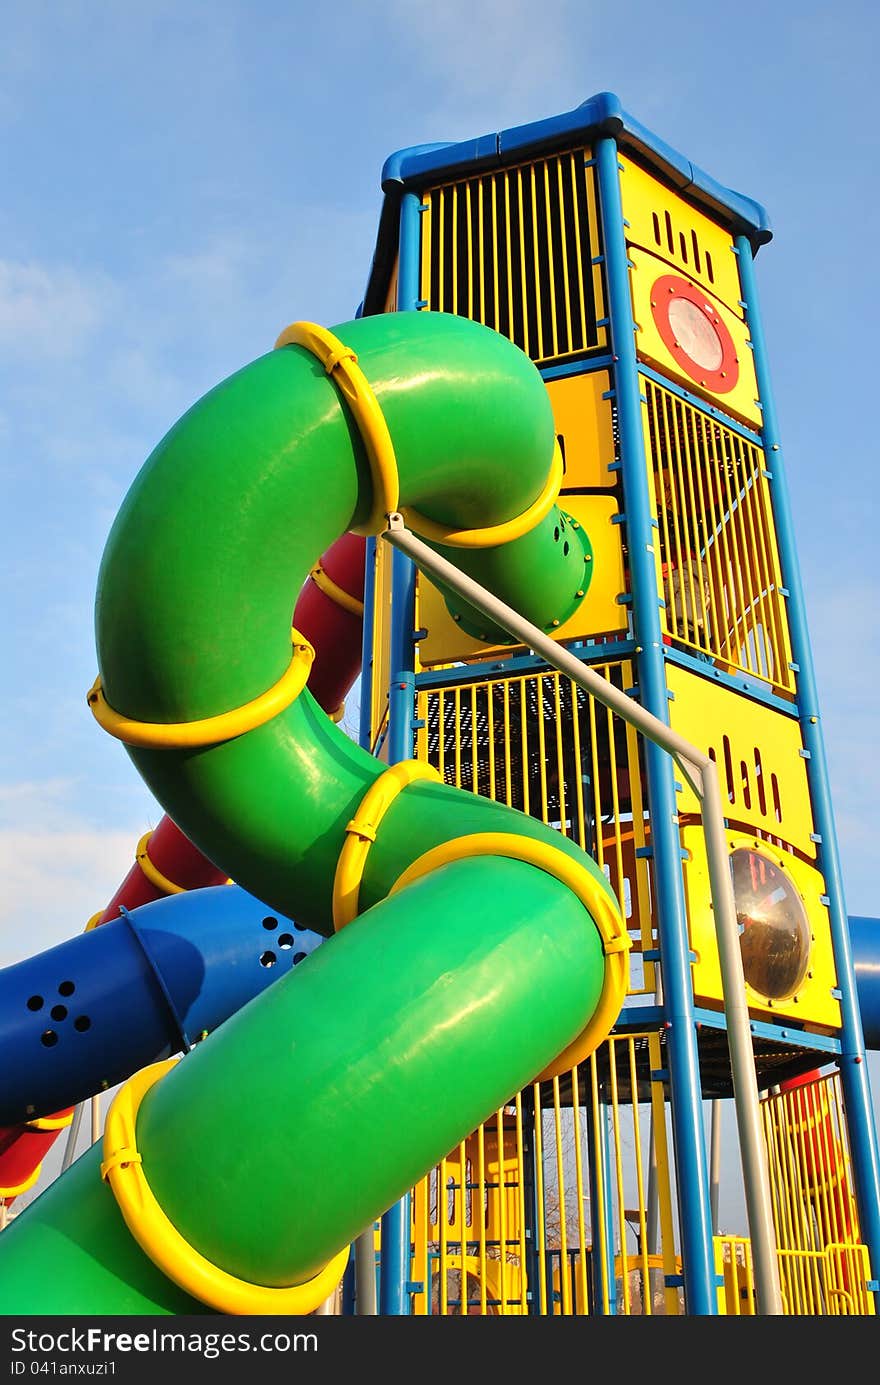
{"x":627,"y":275}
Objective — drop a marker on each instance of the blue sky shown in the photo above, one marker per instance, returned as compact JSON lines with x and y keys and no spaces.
{"x":184,"y":179}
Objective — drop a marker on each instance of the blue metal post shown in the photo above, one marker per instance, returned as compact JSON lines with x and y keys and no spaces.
{"x":395,"y":1237}
{"x":395,"y":1241}
{"x":681,"y":1043}
{"x":365,"y":730}
{"x":853,"y":1065}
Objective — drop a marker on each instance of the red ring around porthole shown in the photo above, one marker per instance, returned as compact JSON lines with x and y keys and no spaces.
{"x":694,"y":334}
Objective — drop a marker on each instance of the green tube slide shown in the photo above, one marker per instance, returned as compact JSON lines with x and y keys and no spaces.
{"x":283,"y":1135}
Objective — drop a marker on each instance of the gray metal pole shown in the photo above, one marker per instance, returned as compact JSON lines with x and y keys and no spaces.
{"x":701,"y":773}
{"x":715,"y":1163}
{"x":365,"y":1302}
{"x":72,"y":1137}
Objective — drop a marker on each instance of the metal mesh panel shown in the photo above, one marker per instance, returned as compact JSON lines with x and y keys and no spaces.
{"x":518,"y":250}
{"x":719,"y":563}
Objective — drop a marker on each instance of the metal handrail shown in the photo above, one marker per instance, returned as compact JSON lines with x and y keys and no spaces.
{"x":702,"y":775}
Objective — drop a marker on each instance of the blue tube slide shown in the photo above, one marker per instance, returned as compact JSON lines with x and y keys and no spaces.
{"x":83,"y":1016}
{"x":865,"y":934}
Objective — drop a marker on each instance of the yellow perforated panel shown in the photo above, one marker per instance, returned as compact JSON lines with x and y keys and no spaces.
{"x":813,"y":1004}
{"x":762,"y":772}
{"x":688,"y":241}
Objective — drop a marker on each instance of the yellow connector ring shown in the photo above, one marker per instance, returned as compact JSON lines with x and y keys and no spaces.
{"x":162,"y":1242}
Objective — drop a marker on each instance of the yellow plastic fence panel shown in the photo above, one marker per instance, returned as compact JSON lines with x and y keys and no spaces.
{"x":823,"y":1263}
{"x":518,"y":250}
{"x":733,"y":1266}
{"x":582,"y":412}
{"x":718,"y":565}
{"x":468,"y":1225}
{"x":788,"y":935}
{"x":759,"y":753}
{"x":677,"y":232}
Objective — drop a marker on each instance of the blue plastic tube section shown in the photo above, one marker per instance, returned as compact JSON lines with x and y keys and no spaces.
{"x":865,"y":934}
{"x":85,"y":1015}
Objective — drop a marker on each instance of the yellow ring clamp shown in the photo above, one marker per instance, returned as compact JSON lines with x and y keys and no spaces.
{"x":152,"y":873}
{"x":50,"y":1122}
{"x":340,"y":363}
{"x":17,"y":1189}
{"x":324,"y":582}
{"x":493,"y":535}
{"x":361,"y":833}
{"x":208,"y":730}
{"x":122,"y":1169}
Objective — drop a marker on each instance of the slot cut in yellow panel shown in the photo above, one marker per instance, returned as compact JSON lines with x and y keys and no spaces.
{"x":761,"y":770}
{"x":585,"y":428}
{"x":667,"y":226}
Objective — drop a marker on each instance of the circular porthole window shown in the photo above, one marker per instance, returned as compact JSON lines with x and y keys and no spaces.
{"x":775,"y":937}
{"x":694,"y":334}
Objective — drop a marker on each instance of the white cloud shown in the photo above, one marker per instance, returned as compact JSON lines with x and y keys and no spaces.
{"x":57,"y":867}
{"x":50,"y":311}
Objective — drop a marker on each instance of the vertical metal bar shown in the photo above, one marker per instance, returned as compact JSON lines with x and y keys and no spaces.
{"x":581,"y":1194}
{"x":560,"y":757}
{"x":470,"y":248}
{"x":581,"y":246}
{"x":511,"y":327}
{"x":551,"y":269}
{"x":690,"y":1152}
{"x":541,"y":1227}
{"x":481,"y":259}
{"x":613,"y":1045}
{"x":715,"y":1163}
{"x":595,"y":242}
{"x":478,"y":1213}
{"x":853,"y":1064}
{"x":526,"y":1266}
{"x":566,"y":287}
{"x":599,"y":1203}
{"x":366,"y":1299}
{"x":581,"y":837}
{"x":536,"y":268}
{"x":564,"y":1280}
{"x":522,"y":262}
{"x":647,"y":1289}
{"x":443,"y":1238}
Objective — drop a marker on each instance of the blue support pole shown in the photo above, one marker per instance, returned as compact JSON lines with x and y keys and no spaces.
{"x":365,"y":730}
{"x":852,"y":1061}
{"x":395,"y":1233}
{"x":395,"y":1239}
{"x":681,"y":1043}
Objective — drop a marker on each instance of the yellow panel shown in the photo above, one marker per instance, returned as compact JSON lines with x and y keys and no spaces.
{"x":686,"y":239}
{"x":762,"y":772}
{"x":741,"y":400}
{"x":584,"y":426}
{"x":813,"y":1005}
{"x":600,"y":612}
